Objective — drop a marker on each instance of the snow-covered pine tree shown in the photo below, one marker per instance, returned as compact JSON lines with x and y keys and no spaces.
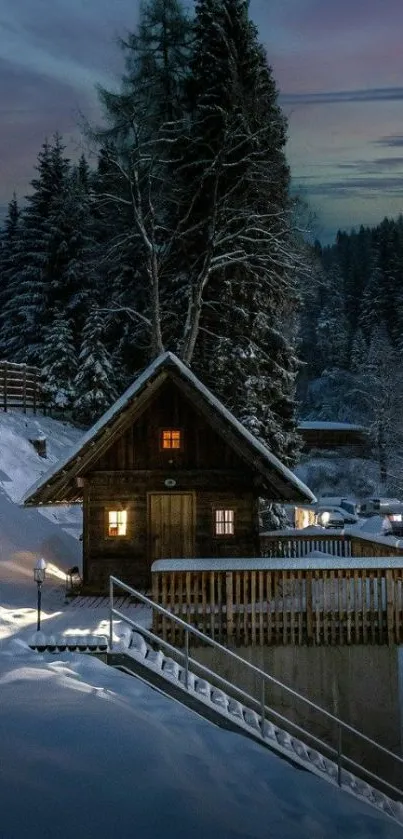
{"x":359,"y":352}
{"x":332,"y":328}
{"x":27,"y":307}
{"x":383,"y":378}
{"x":9,"y":241}
{"x":94,"y":384}
{"x":371,"y":306}
{"x":241,"y":256}
{"x":70,"y":275}
{"x":378,"y":383}
{"x":313,"y":294}
{"x":59,"y":364}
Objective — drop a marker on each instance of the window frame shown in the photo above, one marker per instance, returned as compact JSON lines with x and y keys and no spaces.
{"x":171,"y":429}
{"x":230,"y":522}
{"x":118,"y":511}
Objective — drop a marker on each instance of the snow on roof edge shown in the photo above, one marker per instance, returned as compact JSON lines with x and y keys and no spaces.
{"x":132,"y":390}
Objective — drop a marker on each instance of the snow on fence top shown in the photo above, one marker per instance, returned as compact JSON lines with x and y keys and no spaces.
{"x":19,"y":386}
{"x":325,"y":533}
{"x":314,"y":561}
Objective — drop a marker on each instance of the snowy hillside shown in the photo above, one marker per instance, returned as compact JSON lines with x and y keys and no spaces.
{"x":88,"y":751}
{"x":28,"y":534}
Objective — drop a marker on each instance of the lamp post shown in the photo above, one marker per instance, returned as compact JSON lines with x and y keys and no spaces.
{"x":39,"y":576}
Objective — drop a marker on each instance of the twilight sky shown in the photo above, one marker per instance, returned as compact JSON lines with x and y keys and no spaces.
{"x":338,"y":66}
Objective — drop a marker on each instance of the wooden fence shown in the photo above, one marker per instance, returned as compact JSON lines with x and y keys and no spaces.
{"x":20,"y":387}
{"x":285,"y":603}
{"x":292,"y":544}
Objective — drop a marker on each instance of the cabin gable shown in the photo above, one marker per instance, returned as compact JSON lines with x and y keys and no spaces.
{"x":147,"y":443}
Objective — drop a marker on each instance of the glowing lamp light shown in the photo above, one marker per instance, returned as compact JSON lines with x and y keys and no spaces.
{"x":40,"y":570}
{"x":39,"y":576}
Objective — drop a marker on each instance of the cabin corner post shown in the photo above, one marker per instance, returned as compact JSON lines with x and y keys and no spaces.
{"x":86,"y":533}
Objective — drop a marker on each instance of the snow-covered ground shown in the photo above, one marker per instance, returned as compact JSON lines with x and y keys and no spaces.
{"x":86,"y":751}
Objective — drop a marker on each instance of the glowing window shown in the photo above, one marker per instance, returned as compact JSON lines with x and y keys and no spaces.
{"x":171,"y":438}
{"x":117,"y":522}
{"x":224,"y":523}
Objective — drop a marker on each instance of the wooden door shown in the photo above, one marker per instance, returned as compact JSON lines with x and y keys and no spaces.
{"x":171,"y":525}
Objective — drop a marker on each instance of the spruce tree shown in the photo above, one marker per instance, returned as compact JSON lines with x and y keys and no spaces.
{"x":28,"y":307}
{"x":332,"y":328}
{"x":94,"y":383}
{"x":59,"y":364}
{"x":359,"y":352}
{"x":240,"y":249}
{"x":70,"y":272}
{"x":9,"y":245}
{"x":382,"y":394}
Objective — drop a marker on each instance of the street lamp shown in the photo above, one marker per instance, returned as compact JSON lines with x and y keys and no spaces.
{"x":39,"y":576}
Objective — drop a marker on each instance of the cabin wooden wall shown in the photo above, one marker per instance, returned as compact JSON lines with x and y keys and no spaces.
{"x":130,"y":557}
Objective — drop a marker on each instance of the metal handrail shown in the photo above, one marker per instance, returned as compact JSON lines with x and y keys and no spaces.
{"x":253,"y":701}
{"x":265,"y":677}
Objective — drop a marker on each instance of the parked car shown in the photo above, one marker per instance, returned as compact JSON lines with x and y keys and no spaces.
{"x":377,"y":506}
{"x":333,"y":517}
{"x":393,"y":521}
{"x":351,"y":505}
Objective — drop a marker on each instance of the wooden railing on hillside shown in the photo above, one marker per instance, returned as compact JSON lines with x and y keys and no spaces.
{"x":283,"y":602}
{"x":20,"y":387}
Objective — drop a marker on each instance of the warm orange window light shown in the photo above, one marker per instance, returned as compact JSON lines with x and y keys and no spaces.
{"x":224,"y":523}
{"x":117,"y":522}
{"x":171,"y":438}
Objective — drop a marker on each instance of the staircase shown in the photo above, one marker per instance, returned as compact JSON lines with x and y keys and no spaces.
{"x":174,"y":672}
{"x":177,"y":674}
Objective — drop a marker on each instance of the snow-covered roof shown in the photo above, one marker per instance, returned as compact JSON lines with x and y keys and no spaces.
{"x":84,"y":451}
{"x":322,"y":425}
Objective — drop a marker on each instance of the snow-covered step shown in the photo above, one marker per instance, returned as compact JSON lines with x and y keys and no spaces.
{"x":278,"y":739}
{"x":68,"y":643}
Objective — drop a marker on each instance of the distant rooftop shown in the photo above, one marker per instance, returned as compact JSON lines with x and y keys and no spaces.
{"x":323,"y":425}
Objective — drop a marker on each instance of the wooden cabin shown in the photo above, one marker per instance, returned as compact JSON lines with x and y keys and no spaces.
{"x":167,"y":472}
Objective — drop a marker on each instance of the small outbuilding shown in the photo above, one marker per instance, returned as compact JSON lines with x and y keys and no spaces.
{"x":166,"y":472}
